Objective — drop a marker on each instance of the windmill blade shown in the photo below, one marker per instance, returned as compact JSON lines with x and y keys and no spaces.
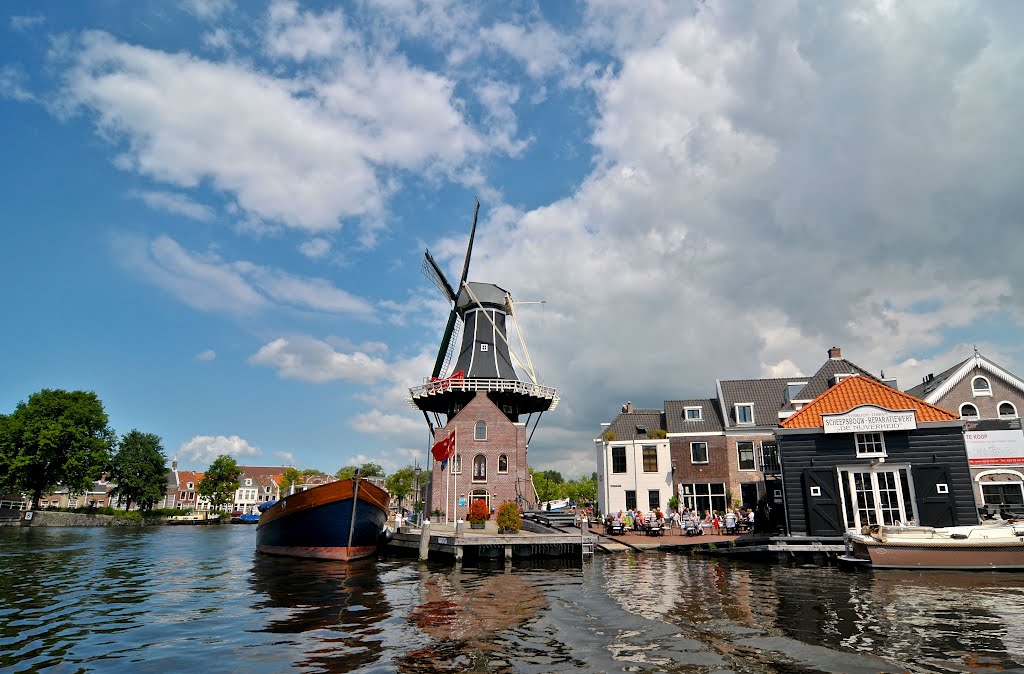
{"x":432,"y":271}
{"x":469,"y":248}
{"x":445,"y":341}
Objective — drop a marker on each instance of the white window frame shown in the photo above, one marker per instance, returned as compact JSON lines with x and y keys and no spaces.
{"x":999,"y":410}
{"x":455,"y":465}
{"x":500,"y":457}
{"x":848,"y":492}
{"x":625,"y":460}
{"x":707,"y":453}
{"x":753,"y":456}
{"x":987,"y":391}
{"x":687,"y":410}
{"x":480,"y":459}
{"x":859,"y":437}
{"x":476,"y":430}
{"x":737,"y":412}
{"x":969,"y":416}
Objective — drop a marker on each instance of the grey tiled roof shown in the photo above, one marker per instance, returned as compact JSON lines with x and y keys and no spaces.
{"x":768,"y":396}
{"x":822,"y":379}
{"x":926,"y":387}
{"x":625,"y":425}
{"x":676,"y":422}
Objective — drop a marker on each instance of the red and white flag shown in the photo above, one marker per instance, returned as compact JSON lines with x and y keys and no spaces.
{"x":444,"y":449}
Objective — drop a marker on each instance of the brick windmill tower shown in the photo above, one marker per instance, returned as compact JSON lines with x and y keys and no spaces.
{"x":482,"y":399}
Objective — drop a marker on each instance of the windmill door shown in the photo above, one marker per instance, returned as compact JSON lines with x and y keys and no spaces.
{"x":935,"y":505}
{"x":821,"y":498}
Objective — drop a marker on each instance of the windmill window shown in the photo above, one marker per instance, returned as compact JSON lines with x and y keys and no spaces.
{"x":1007,"y":410}
{"x":503,"y":463}
{"x":455,"y":465}
{"x":480,"y":431}
{"x":981,"y":387}
{"x":968,"y":411}
{"x":479,"y":468}
{"x":483,"y":347}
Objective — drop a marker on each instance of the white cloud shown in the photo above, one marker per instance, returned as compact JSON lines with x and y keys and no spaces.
{"x":206,"y":355}
{"x":207,"y":282}
{"x":301,"y":35}
{"x":203,"y":449}
{"x":174,"y":202}
{"x":13,"y":84}
{"x":287,"y":136}
{"x":207,"y":10}
{"x":25,"y":23}
{"x":287,"y":458}
{"x":312,"y":360}
{"x":541,"y":49}
{"x":382,"y":424}
{"x":315,"y":248}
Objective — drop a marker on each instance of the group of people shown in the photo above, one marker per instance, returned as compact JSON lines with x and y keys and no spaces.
{"x":686,"y":520}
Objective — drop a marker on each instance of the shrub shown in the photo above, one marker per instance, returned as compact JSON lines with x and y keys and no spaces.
{"x":609,"y":436}
{"x":478,"y":512}
{"x":508,"y":517}
{"x":129,"y":515}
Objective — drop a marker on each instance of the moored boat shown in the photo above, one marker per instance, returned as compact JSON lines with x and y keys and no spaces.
{"x":245,"y":519}
{"x":195,"y":519}
{"x":338,"y":520}
{"x":990,"y":546}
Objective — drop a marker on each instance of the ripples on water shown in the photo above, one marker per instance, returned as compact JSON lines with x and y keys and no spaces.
{"x":199,"y":599}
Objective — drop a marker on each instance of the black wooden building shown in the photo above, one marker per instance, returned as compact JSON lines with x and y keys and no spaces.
{"x":863,"y":453}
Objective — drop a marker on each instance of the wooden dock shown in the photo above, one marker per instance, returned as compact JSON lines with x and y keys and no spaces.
{"x":461,"y":542}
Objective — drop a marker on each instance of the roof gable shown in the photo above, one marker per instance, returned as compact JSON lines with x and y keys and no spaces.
{"x":934,"y":388}
{"x":859,"y":390}
{"x":635,"y":425}
{"x":822,"y":379}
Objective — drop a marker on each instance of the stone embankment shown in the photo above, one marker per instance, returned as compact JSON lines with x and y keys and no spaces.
{"x":41,"y":518}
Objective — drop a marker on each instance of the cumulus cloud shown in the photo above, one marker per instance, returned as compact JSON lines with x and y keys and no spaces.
{"x":177,"y":203}
{"x":313,"y":360}
{"x":315,"y":248}
{"x":207,"y":10}
{"x":207,"y":282}
{"x":203,"y":449}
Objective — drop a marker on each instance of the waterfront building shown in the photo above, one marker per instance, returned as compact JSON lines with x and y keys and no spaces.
{"x":256,"y":485}
{"x":634,"y":465}
{"x":864,"y":453}
{"x":989,"y":399}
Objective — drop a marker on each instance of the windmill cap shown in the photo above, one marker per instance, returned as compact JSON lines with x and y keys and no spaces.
{"x":488,"y":294}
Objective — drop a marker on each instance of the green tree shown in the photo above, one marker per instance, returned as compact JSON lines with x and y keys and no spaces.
{"x":366,"y":470}
{"x":291,"y":475}
{"x":400,"y":483}
{"x":56,"y":438}
{"x":139,"y":469}
{"x":548,"y":484}
{"x":220,"y":481}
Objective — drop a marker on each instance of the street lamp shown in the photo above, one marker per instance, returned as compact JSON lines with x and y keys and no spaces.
{"x":419,"y":500}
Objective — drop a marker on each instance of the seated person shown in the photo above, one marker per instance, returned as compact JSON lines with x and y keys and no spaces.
{"x":640,"y":523}
{"x":628,"y":521}
{"x":730,"y":522}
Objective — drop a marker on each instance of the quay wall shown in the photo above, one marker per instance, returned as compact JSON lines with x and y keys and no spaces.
{"x":42,"y":518}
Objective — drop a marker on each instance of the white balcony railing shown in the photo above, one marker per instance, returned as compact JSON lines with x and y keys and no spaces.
{"x":441,"y":386}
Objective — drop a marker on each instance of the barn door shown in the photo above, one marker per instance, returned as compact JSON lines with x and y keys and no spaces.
{"x":935,"y":505}
{"x":821,"y":496}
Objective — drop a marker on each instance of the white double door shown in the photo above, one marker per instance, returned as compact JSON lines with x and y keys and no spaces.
{"x":876,"y":495}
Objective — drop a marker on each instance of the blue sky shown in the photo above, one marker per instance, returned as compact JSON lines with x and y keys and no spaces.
{"x":214,"y":212}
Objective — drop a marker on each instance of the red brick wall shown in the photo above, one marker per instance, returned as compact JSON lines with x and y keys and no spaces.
{"x":503,"y":437}
{"x":723,"y":461}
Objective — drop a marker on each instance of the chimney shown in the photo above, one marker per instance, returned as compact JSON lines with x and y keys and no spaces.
{"x":629,"y":407}
{"x":835,"y":353}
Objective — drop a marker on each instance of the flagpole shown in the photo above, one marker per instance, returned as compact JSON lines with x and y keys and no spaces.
{"x":447,"y":489}
{"x":455,"y":496}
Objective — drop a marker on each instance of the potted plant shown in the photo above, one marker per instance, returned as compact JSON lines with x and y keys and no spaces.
{"x":477,"y":514}
{"x":508,"y":518}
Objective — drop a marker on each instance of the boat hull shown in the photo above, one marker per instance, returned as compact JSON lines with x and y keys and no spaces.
{"x":192,"y":520}
{"x":315,"y":523}
{"x":976,"y":548}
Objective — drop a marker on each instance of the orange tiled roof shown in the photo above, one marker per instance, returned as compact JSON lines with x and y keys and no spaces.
{"x":856,"y":390}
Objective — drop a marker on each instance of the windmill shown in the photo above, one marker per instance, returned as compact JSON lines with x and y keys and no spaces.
{"x":485,"y":358}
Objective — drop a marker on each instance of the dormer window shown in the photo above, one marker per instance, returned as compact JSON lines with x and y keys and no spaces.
{"x":189,"y":486}
{"x":968,"y":411}
{"x":981,"y":387}
{"x":248,"y":482}
{"x":642,"y":430}
{"x":745,"y":413}
{"x":1007,"y":410}
{"x":839,"y":377}
{"x":692,"y":413}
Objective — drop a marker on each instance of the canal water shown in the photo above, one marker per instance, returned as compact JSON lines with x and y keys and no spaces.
{"x":186,"y":599}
